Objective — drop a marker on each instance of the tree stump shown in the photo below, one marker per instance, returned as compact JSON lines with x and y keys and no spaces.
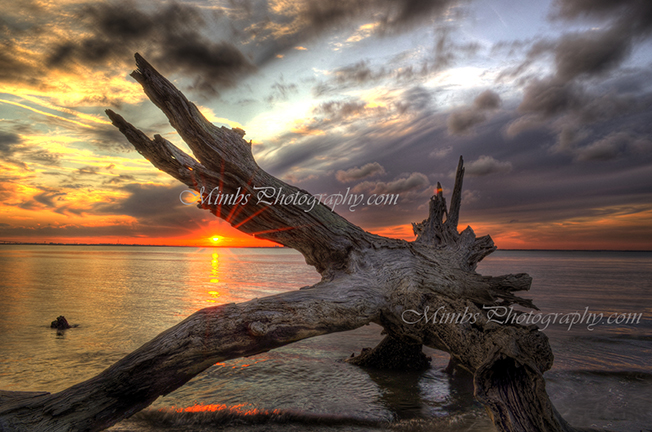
{"x":365,"y":278}
{"x":61,"y":323}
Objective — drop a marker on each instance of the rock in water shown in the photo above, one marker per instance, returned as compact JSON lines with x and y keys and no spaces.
{"x":61,"y":323}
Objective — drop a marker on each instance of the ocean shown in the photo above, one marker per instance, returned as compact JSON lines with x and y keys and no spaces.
{"x":120,"y":297}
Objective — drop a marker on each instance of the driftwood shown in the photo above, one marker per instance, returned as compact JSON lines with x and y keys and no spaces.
{"x":365,"y":278}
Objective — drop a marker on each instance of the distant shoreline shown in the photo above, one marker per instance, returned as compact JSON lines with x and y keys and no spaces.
{"x":135,"y":245}
{"x":5,"y":243}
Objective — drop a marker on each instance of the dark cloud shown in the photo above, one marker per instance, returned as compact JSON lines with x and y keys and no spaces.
{"x":354,"y":75}
{"x":463,"y":120}
{"x":486,"y":165}
{"x":550,"y":97}
{"x":156,"y":208}
{"x":47,"y":198}
{"x":358,"y":173}
{"x":217,"y":63}
{"x":12,"y":67}
{"x":391,"y":15}
{"x":293,"y":155}
{"x":413,"y":11}
{"x":613,"y":146}
{"x":115,"y":28}
{"x":358,"y":73}
{"x":145,"y":201}
{"x":414,"y":181}
{"x":170,"y":36}
{"x":591,"y":53}
{"x":596,"y":51}
{"x":487,"y":100}
{"x":578,"y":113}
{"x":9,"y":147}
{"x":108,"y":138}
{"x":7,"y":142}
{"x":417,"y":98}
{"x":637,"y":10}
{"x":571,"y":96}
{"x":460,"y":122}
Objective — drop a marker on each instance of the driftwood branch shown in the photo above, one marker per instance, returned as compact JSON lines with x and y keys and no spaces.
{"x":365,"y":278}
{"x":225,"y":163}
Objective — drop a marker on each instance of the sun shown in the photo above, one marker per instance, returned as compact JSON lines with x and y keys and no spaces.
{"x":215,"y":239}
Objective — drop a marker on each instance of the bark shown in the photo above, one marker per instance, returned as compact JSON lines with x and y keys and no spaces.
{"x":365,"y":278}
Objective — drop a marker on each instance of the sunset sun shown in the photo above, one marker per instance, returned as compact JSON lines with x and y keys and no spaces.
{"x":215,"y":239}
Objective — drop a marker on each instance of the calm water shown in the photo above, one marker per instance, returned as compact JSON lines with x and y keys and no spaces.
{"x":123,"y":296}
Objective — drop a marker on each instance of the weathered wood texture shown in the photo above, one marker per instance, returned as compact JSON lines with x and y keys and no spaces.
{"x":365,"y":278}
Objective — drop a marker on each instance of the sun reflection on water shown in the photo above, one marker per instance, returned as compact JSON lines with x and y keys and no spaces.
{"x":215,"y":265}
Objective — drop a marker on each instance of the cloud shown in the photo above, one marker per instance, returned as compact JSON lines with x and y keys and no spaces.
{"x":354,"y":75}
{"x":637,"y":11}
{"x":15,"y":151}
{"x":280,"y":26}
{"x":13,"y":68}
{"x":9,"y":147}
{"x":358,"y":173}
{"x":613,"y":146}
{"x":461,"y":121}
{"x":577,"y":93}
{"x":414,"y":181}
{"x":487,"y":165}
{"x":605,"y":149}
{"x":109,"y":138}
{"x":402,"y":70}
{"x":216,"y":63}
{"x":337,"y":111}
{"x":417,"y":98}
{"x":170,"y":36}
{"x":591,"y":53}
{"x":87,"y":170}
{"x":121,"y":178}
{"x":599,"y":50}
{"x":549,"y":97}
{"x":487,"y":100}
{"x":156,"y":208}
{"x":47,"y":198}
{"x":596,"y":51}
{"x":7,"y":142}
{"x":115,"y":28}
{"x":391,"y":15}
{"x":281,"y":91}
{"x":42,"y":157}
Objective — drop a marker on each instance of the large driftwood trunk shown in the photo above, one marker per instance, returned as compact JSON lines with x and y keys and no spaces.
{"x":365,"y":278}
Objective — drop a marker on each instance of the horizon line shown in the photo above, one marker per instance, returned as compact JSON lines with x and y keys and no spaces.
{"x":12,"y":243}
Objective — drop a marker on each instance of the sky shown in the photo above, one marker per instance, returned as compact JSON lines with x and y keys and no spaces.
{"x":549,"y":103}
